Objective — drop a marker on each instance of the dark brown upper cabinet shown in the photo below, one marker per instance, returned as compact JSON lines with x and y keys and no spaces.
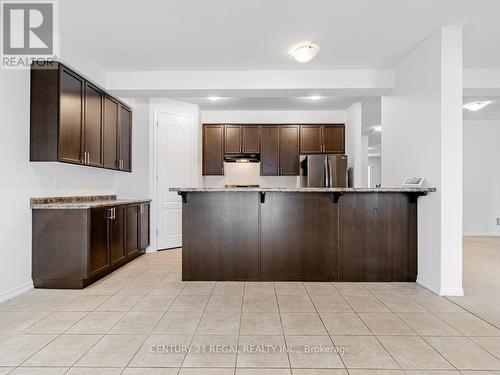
{"x":318,"y":139}
{"x":72,"y":120}
{"x":125,"y":139}
{"x":93,"y":125}
{"x":232,"y":139}
{"x":270,"y":151}
{"x":250,"y":139}
{"x":310,"y":139}
{"x":71,"y":96}
{"x":213,"y":150}
{"x":240,"y":139}
{"x":334,"y":139}
{"x":110,"y":149}
{"x":289,"y":150}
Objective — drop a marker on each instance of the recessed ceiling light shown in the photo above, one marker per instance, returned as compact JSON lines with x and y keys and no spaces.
{"x":213,"y":98}
{"x":315,"y":97}
{"x":305,"y":52}
{"x":476,"y":106}
{"x":377,"y":128}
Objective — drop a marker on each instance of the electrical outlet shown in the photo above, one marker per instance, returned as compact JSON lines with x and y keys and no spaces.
{"x":498,"y":220}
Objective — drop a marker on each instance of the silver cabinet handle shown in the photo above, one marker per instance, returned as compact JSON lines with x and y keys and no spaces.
{"x":88,"y":157}
{"x":84,"y":156}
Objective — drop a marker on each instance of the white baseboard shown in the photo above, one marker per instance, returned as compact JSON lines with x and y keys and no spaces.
{"x":428,"y":284}
{"x":480,"y":234}
{"x":433,"y":287}
{"x":452,"y":292}
{"x":150,"y":249}
{"x":14,"y":292}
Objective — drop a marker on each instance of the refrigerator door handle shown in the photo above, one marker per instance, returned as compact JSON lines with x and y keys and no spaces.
{"x":330,"y":173}
{"x":326,"y":172}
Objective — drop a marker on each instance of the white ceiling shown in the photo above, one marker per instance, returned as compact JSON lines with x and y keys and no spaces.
{"x":490,"y":112}
{"x":274,"y":104}
{"x":258,"y":34}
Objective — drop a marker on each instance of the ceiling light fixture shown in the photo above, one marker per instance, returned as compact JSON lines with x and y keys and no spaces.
{"x":213,"y":98}
{"x":476,"y":106}
{"x":305,"y":52}
{"x":315,"y":97}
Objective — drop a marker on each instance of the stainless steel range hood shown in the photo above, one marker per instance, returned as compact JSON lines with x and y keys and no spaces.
{"x":242,"y":158}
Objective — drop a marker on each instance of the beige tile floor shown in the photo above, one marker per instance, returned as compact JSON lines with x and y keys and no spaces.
{"x":141,"y":319}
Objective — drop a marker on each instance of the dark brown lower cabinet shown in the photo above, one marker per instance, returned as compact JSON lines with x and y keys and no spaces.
{"x":144,"y":223}
{"x":220,"y":237}
{"x":75,"y":247}
{"x":299,"y":236}
{"x":98,"y":247}
{"x":133,"y":229}
{"x":117,"y":235}
{"x":378,"y":237}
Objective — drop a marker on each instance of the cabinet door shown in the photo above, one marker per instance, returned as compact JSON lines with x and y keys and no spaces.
{"x":289,"y":150}
{"x":232,"y":139}
{"x":125,"y":139}
{"x":333,"y":139}
{"x":310,"y":139}
{"x":117,"y":235}
{"x":144,"y":225}
{"x":250,"y":139}
{"x":298,"y":237}
{"x":132,"y":244}
{"x":98,"y":249}
{"x":70,"y":117}
{"x":269,"y":150}
{"x":213,"y":150}
{"x":110,"y":149}
{"x":93,"y":119}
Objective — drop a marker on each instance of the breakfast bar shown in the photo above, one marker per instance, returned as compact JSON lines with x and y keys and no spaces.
{"x":300,"y":234}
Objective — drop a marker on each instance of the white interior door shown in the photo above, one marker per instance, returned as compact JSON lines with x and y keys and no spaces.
{"x":174,"y":170}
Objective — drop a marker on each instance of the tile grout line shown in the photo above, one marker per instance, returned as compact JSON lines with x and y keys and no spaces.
{"x":324,"y":325}
{"x":355,"y":312}
{"x":239,"y":328}
{"x":197,"y":326}
{"x":422,"y":338}
{"x":152,"y":330}
{"x":282,"y":327}
{"x":125,"y":313}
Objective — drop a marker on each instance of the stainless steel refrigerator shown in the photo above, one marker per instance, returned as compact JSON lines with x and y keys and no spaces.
{"x":328,"y":170}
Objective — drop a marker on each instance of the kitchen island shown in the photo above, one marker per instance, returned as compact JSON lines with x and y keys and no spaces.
{"x":299,"y":234}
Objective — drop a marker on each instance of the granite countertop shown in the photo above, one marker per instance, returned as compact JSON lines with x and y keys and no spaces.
{"x":308,"y":190}
{"x":80,"y":202}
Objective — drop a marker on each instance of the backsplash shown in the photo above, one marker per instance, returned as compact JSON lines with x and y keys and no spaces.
{"x":248,"y":174}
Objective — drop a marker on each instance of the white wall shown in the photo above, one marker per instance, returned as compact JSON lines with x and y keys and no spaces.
{"x":249,"y":173}
{"x":481,"y":184}
{"x":422,"y":136}
{"x":21,"y":180}
{"x":137,"y":183}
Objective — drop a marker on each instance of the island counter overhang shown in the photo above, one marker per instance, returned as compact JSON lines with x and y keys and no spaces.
{"x":299,"y":234}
